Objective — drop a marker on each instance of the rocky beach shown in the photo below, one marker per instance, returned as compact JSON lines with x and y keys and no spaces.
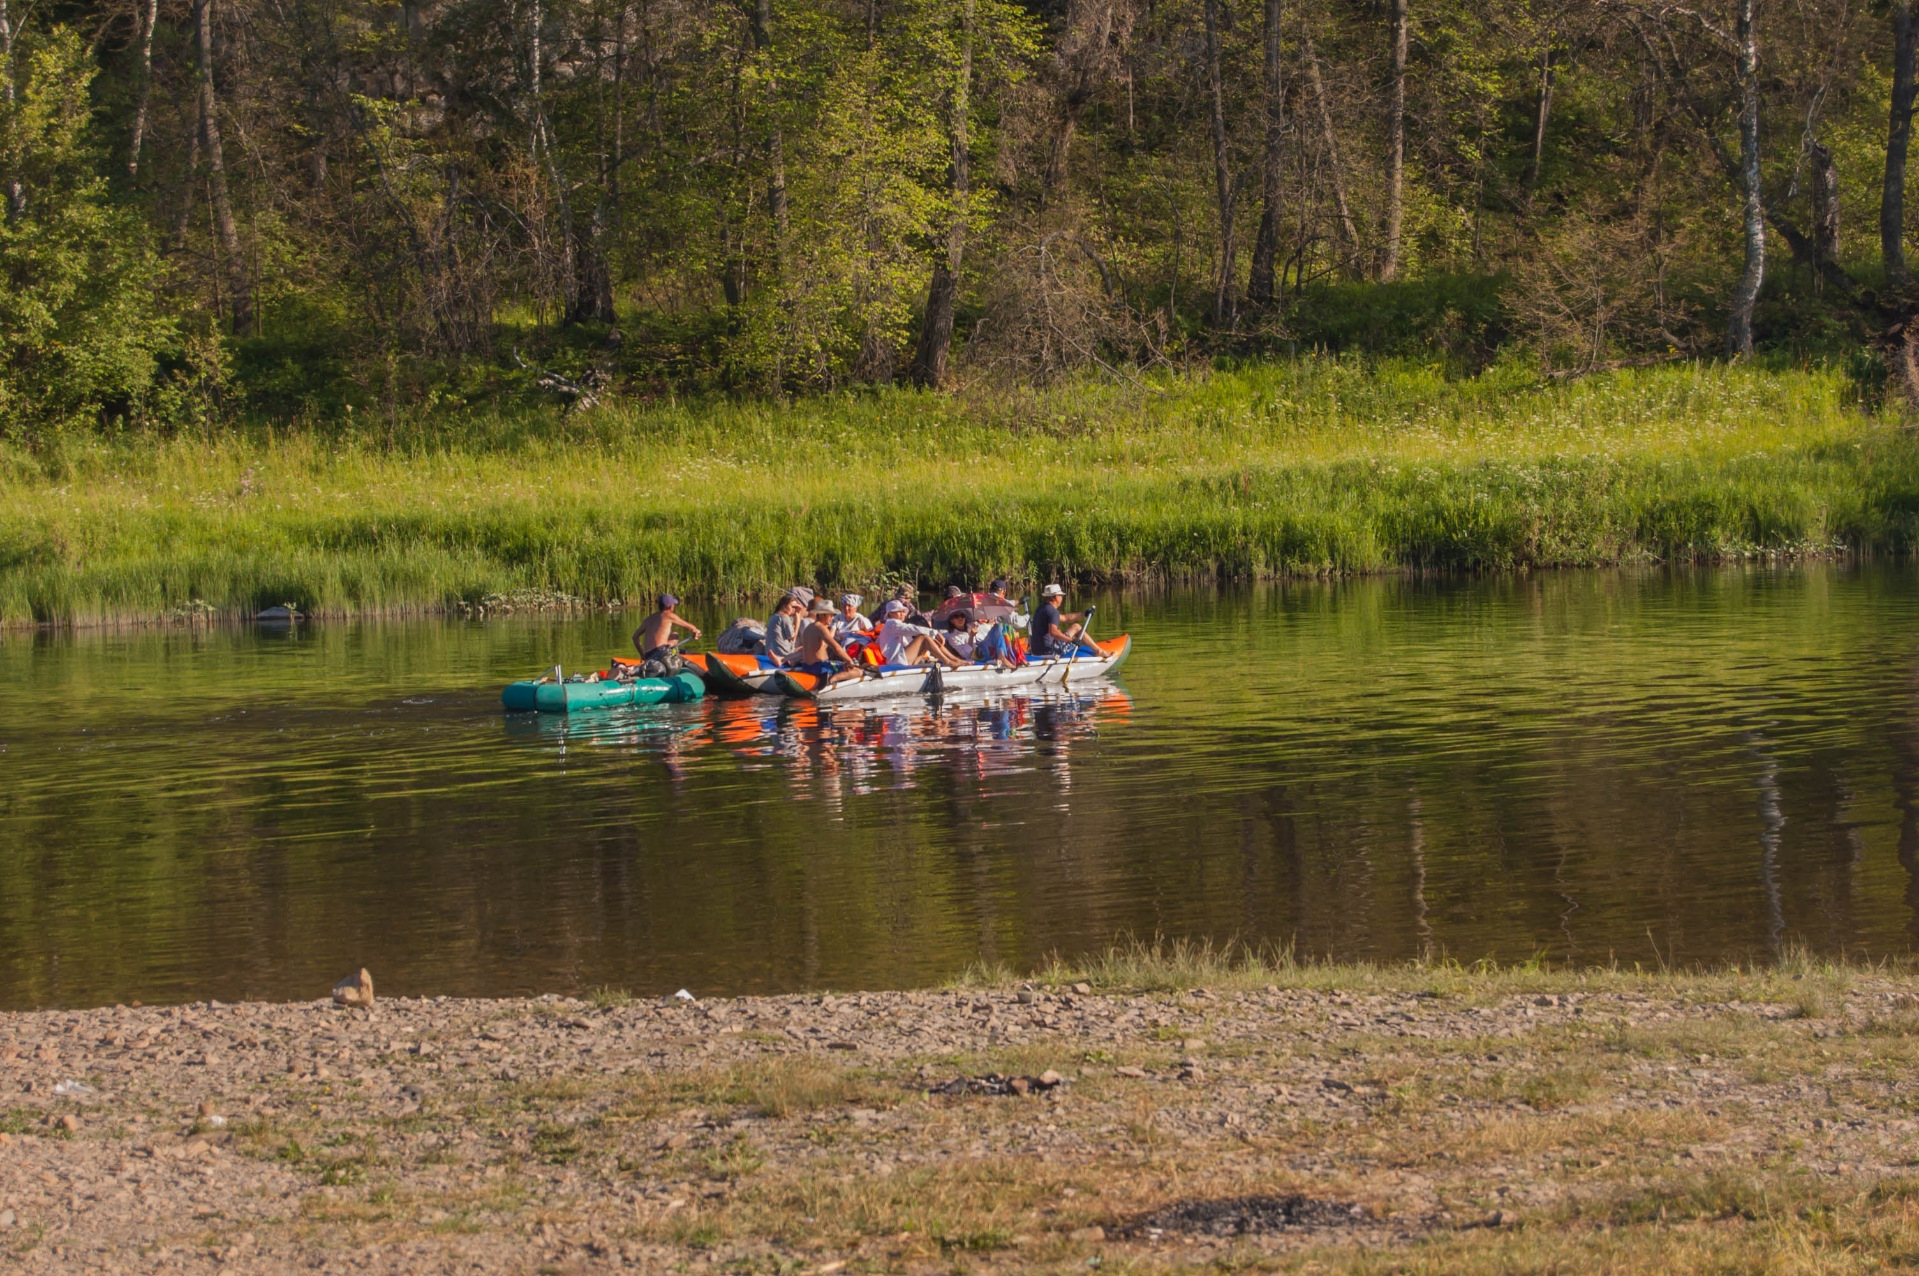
{"x":1316,"y":1118}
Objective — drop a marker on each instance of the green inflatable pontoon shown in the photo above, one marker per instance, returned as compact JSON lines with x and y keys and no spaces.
{"x":570,"y":697}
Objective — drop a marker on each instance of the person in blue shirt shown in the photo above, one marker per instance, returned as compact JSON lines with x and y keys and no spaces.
{"x":1055,"y":633}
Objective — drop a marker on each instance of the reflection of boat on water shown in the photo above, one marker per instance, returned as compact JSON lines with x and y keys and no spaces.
{"x":865,"y":746}
{"x":934,"y":680}
{"x":861,"y":746}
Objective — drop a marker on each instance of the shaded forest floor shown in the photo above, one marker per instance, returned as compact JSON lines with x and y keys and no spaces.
{"x":1308,"y":467}
{"x":1289,"y":1118}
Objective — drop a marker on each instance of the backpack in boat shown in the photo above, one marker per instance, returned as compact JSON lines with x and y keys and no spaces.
{"x":663,"y":666}
{"x":744,"y":637}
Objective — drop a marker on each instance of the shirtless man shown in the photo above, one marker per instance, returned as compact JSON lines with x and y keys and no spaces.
{"x":819,"y":649}
{"x":654,"y":638}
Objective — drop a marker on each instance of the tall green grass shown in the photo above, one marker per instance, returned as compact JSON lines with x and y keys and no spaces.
{"x":1314,"y":466}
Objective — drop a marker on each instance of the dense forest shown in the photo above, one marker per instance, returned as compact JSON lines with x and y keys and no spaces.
{"x":293,"y":207}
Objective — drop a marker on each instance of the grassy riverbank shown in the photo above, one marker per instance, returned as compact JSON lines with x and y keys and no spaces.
{"x":1316,"y":466}
{"x":1210,"y":1115}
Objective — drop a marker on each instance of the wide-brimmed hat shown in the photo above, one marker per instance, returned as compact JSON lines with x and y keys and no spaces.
{"x":1052,"y":591}
{"x":820,"y":607}
{"x":894,"y":608}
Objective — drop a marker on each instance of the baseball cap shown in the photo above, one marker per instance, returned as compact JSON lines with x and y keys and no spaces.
{"x":667,"y":600}
{"x":999,"y":586}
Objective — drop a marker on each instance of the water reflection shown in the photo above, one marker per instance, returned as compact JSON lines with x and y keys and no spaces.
{"x":1643,"y":767}
{"x":828,"y":753}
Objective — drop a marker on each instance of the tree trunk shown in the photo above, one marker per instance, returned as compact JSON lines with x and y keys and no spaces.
{"x":1892,"y":197}
{"x":145,"y":91}
{"x":183,"y":216}
{"x":1746,"y":293}
{"x":776,"y":139}
{"x":1259,"y":289}
{"x":16,"y":193}
{"x":238,"y":286}
{"x":593,"y":279}
{"x":1395,"y":147}
{"x":1539,"y":122}
{"x":1825,"y":203}
{"x":1345,"y":209}
{"x":1223,"y":284}
{"x":1077,"y":60}
{"x":936,"y":328}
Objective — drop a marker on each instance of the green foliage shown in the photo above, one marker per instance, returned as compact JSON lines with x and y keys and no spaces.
{"x":81,"y":326}
{"x":1462,"y":317}
{"x":1315,"y":466}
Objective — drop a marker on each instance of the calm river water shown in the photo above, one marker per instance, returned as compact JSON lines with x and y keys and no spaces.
{"x":1680,"y":767}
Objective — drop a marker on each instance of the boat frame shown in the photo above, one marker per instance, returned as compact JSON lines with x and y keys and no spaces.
{"x":726,"y":675}
{"x":936,"y":680}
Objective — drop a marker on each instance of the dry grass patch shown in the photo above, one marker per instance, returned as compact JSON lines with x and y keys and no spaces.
{"x":959,"y":1206}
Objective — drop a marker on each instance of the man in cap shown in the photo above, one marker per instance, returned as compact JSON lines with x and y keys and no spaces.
{"x":654,"y":638}
{"x":1049,"y":637}
{"x":903,"y":595}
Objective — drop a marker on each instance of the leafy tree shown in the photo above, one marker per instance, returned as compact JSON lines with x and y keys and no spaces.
{"x":81,"y":324}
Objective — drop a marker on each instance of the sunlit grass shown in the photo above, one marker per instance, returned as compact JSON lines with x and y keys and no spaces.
{"x":1305,"y":468}
{"x":1810,"y":985}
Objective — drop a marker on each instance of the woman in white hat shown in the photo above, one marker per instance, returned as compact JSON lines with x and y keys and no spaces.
{"x":903,"y":643}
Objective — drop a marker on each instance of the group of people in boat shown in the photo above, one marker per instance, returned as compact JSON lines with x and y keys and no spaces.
{"x":807,"y":633}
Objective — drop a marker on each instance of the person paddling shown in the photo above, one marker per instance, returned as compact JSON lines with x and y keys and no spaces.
{"x":1049,"y":637}
{"x":654,"y":638}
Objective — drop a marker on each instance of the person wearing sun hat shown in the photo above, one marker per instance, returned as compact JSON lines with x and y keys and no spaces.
{"x":904,"y":643}
{"x":1055,"y":633}
{"x":654,"y":638}
{"x":849,"y":626}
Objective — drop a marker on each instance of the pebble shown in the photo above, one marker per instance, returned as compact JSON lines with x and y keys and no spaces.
{"x":267,"y":1061}
{"x":354,"y":990}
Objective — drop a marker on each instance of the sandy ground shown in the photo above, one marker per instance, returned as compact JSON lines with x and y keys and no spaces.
{"x":1441,"y":1123}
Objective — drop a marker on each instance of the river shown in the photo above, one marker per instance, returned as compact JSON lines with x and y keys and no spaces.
{"x":1640,"y":767}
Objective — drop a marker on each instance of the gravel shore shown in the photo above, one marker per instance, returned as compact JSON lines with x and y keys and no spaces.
{"x":1409,"y":1120}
